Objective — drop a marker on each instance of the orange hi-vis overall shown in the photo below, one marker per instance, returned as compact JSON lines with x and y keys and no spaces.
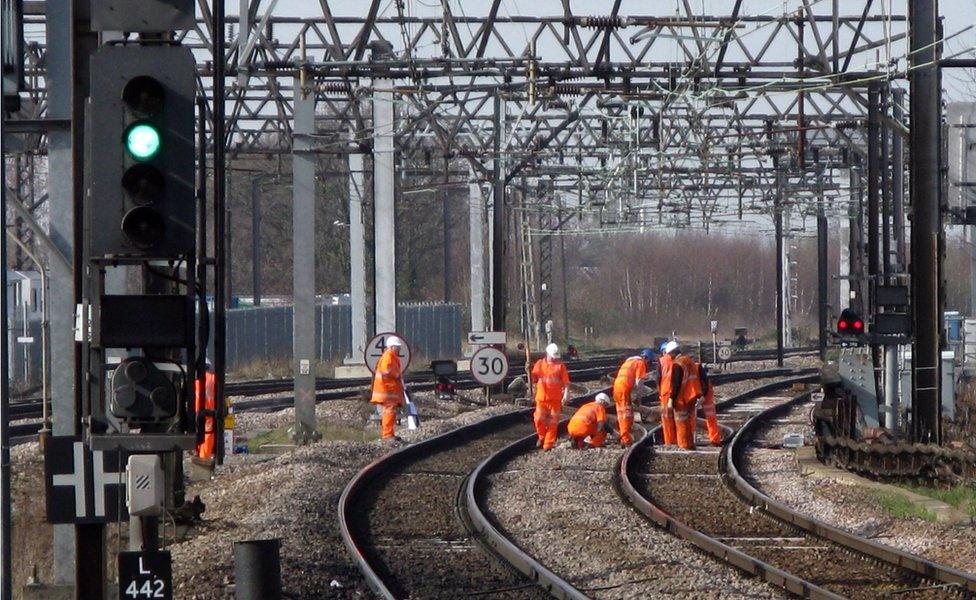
{"x":633,"y":370}
{"x":551,"y":379}
{"x":684,"y":407}
{"x":590,"y":420}
{"x":388,"y":390}
{"x":205,"y":405}
{"x":664,"y":394}
{"x":711,"y":421}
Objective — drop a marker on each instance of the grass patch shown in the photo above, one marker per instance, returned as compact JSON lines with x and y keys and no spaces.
{"x":901,"y":508}
{"x":960,"y":497}
{"x":282,"y":435}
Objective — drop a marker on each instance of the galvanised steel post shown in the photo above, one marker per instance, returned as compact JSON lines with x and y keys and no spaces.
{"x":874,"y":192}
{"x":476,"y":257}
{"x":220,"y":218}
{"x":874,"y":214}
{"x":256,"y":240}
{"x":821,"y":269}
{"x":925,"y":108}
{"x":898,"y":179}
{"x":499,"y":292}
{"x":303,"y":271}
{"x":778,"y":224}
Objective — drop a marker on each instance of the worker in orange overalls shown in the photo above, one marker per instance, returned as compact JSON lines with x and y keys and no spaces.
{"x":631,"y":373}
{"x":551,"y":390}
{"x":205,"y":407}
{"x":708,"y":408}
{"x":388,"y":386}
{"x":664,"y":391}
{"x":686,"y":390}
{"x":590,"y":421}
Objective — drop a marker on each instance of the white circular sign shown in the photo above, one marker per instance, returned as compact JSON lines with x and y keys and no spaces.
{"x":376,"y":347}
{"x":489,"y":366}
{"x":724,"y":353}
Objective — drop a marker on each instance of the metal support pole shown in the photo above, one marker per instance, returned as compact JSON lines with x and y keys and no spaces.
{"x":357,"y":257}
{"x":874,"y":215}
{"x":891,"y":400}
{"x":885,"y":132}
{"x":844,"y":268}
{"x":898,"y":179}
{"x":91,"y":573}
{"x":925,"y":107}
{"x":562,"y":265}
{"x":6,"y":514}
{"x":448,"y":241}
{"x":61,"y":226}
{"x":384,"y":222}
{"x":499,"y":240}
{"x":256,"y":240}
{"x":303,"y":252}
{"x":856,"y":245}
{"x":220,"y":225}
{"x":203,"y":325}
{"x":229,"y":250}
{"x":778,"y":223}
{"x":874,"y":193}
{"x":476,"y":249}
{"x":821,"y":270}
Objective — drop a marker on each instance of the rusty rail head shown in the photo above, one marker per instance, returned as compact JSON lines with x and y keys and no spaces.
{"x":348,"y":506}
{"x":629,"y":493}
{"x":739,"y":485}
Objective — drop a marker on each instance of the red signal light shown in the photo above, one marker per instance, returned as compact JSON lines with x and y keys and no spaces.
{"x":849,"y":323}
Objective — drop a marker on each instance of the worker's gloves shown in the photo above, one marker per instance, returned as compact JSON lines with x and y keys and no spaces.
{"x":670,"y":404}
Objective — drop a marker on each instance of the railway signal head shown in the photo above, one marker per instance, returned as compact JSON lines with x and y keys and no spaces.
{"x":141,"y":158}
{"x":850,"y":323}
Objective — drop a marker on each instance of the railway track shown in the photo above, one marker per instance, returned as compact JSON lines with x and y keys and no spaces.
{"x":684,"y":493}
{"x":574,"y":483}
{"x":405,"y":521}
{"x":25,"y":432}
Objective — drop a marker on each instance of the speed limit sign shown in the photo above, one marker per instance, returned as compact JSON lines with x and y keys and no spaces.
{"x":376,"y":347}
{"x":724,"y":353}
{"x":489,"y":366}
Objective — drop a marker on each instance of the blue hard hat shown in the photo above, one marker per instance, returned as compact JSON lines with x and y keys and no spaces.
{"x":647,"y":354}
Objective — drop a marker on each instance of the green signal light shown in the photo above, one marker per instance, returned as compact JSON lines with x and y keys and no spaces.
{"x":142,"y":141}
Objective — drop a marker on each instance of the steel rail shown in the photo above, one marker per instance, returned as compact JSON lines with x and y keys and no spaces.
{"x":725,"y":553}
{"x":485,"y":526}
{"x":736,"y":481}
{"x":489,"y":530}
{"x":348,"y":504}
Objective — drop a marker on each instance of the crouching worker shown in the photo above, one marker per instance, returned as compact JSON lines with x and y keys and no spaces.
{"x":590,"y":421}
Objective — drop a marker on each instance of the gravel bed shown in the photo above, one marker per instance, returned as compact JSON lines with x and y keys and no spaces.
{"x":705,"y":504}
{"x":776,"y":473}
{"x":356,"y":411}
{"x":292,"y":496}
{"x":560,"y":506}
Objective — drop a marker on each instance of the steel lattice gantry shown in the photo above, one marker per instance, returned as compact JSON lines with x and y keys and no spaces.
{"x":672,"y":111}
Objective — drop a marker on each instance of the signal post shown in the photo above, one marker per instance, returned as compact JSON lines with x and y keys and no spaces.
{"x":139,"y":349}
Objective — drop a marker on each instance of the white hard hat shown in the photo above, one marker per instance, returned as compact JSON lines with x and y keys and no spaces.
{"x":603,"y":399}
{"x":393,"y":341}
{"x":671,"y":346}
{"x":552,"y":351}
